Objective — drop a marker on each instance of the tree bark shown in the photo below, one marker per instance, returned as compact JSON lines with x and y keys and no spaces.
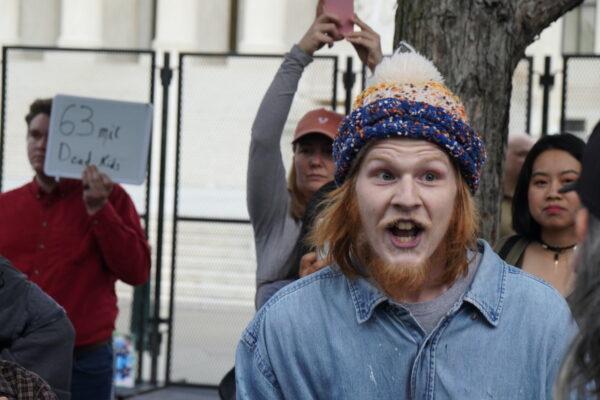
{"x":476,"y":45}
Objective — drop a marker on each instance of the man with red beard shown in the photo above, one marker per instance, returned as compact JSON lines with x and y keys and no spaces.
{"x":412,"y":304}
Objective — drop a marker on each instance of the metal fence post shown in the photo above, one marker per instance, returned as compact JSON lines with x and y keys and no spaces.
{"x":349,"y":79}
{"x":174,"y":226}
{"x":529,"y":94}
{"x":546,"y":81}
{"x":2,"y":115}
{"x":335,"y":85}
{"x":166,"y":74}
{"x":140,"y":308}
{"x":563,"y":107}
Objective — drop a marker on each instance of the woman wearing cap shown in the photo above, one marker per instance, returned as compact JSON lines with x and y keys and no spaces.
{"x":543,"y":217}
{"x":274,"y":205}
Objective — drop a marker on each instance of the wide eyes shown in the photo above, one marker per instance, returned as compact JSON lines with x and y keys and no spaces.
{"x":430,"y":176}
{"x":385,"y":176}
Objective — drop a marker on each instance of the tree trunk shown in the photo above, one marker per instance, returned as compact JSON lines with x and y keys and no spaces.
{"x":476,"y":44}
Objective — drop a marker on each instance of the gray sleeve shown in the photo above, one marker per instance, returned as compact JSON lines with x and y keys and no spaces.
{"x":42,"y":337}
{"x":266,"y":184}
{"x":267,"y":194}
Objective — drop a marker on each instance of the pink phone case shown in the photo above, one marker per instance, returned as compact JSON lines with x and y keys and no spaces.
{"x":344,"y":10}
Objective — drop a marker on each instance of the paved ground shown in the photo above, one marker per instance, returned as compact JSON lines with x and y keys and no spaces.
{"x":179,"y":393}
{"x":204,"y":342}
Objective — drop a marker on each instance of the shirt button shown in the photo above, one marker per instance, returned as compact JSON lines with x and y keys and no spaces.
{"x":41,"y":246}
{"x":44,"y":224}
{"x":37,"y":272}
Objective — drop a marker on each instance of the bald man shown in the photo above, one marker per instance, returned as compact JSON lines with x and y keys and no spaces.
{"x":517,"y":149}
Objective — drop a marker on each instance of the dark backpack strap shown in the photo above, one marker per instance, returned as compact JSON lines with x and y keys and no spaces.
{"x":511,"y":249}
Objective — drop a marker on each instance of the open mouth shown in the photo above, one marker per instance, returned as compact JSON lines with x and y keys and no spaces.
{"x":405,"y":231}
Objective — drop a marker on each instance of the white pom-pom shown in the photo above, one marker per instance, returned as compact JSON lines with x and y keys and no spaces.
{"x":405,"y":66}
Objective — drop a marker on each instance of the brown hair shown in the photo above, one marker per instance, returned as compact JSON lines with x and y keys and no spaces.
{"x":39,"y":106}
{"x":299,"y":201}
{"x":340,"y":229}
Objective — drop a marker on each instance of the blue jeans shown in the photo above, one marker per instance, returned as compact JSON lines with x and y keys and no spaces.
{"x":93,"y":374}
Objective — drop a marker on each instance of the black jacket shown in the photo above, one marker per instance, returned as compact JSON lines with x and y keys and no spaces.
{"x":34,"y":330}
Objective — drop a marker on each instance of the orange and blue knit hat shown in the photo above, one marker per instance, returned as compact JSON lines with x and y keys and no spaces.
{"x":406,"y":97}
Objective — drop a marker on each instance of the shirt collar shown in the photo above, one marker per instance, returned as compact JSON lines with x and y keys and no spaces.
{"x":486,"y":293}
{"x":365,"y":296}
{"x":64,"y":186}
{"x":489,"y":285}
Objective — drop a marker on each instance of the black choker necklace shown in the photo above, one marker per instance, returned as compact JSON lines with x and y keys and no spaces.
{"x":556,"y":249}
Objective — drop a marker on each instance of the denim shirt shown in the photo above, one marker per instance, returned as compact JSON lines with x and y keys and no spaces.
{"x":330,"y":337}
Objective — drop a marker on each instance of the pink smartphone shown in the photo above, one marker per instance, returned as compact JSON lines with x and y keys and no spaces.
{"x":344,"y":10}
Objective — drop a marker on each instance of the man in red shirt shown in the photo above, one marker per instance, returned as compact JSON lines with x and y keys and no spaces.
{"x":75,"y":238}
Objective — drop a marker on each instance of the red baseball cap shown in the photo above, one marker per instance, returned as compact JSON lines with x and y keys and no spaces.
{"x":318,"y":121}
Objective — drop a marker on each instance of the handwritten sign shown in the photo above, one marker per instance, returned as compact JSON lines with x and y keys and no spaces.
{"x":113,"y":135}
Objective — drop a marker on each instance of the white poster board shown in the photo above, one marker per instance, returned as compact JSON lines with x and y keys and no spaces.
{"x":113,"y":135}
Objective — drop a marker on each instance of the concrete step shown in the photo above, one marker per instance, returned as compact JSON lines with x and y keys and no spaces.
{"x":209,"y":275}
{"x":184,"y":262}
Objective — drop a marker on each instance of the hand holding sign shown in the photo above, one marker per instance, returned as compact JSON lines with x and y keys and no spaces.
{"x":96,"y":189}
{"x":113,"y":135}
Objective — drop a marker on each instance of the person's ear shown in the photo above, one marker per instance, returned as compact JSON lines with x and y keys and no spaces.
{"x":582,"y":217}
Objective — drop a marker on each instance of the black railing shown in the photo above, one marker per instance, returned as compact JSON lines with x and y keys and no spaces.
{"x":572,"y":70}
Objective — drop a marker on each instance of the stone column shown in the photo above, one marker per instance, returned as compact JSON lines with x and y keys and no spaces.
{"x":597,"y":27}
{"x":81,"y":23}
{"x":258,"y":36}
{"x":9,"y":22}
{"x":177,"y":25}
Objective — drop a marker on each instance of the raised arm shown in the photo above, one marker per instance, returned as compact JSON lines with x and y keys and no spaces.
{"x":367,"y":44}
{"x":266,"y":183}
{"x":266,"y":180}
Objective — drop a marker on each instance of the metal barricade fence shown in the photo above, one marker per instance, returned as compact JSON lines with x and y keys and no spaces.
{"x":580,"y":94}
{"x":519,"y":117}
{"x":212,"y":277}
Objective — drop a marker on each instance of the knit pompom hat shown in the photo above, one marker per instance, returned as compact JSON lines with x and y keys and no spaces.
{"x":406,"y":97}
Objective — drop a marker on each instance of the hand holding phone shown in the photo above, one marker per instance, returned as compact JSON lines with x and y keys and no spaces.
{"x":323,"y":30}
{"x":367,"y":44}
{"x":344,"y":10}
